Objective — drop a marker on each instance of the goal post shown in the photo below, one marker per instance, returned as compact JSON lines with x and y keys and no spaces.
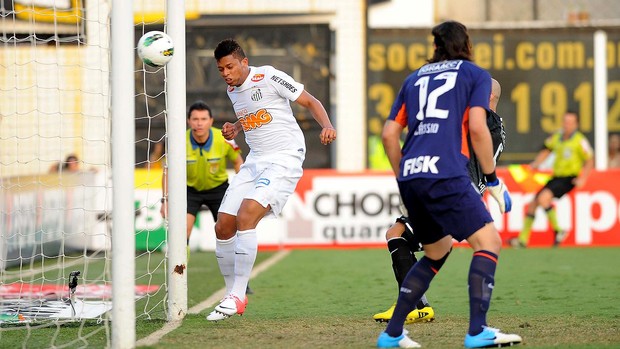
{"x":85,"y":256}
{"x":123,"y":138}
{"x":177,"y":193}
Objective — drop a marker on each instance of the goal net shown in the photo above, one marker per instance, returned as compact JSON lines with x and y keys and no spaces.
{"x":56,"y":174}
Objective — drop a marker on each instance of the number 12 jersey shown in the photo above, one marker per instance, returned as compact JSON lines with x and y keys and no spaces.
{"x":433,"y":104}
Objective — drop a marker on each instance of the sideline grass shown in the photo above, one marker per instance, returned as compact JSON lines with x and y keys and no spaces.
{"x":562,"y":298}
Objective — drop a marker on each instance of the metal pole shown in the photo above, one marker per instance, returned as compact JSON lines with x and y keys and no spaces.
{"x":177,"y":192}
{"x":600,"y":100}
{"x":123,"y":164}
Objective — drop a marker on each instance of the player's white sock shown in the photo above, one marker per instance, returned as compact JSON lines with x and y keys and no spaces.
{"x":225,"y":254}
{"x":245,"y":255}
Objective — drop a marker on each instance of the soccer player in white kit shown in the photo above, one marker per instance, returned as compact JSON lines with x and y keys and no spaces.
{"x":261,"y":99}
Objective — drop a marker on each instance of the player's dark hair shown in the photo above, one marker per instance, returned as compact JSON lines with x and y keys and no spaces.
{"x":199,"y":105}
{"x":228,"y":47}
{"x":451,"y":42}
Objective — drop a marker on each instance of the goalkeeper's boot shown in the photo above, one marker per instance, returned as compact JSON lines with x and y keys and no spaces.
{"x":402,"y":341}
{"x":417,"y":315}
{"x":386,"y":315}
{"x":425,"y":314}
{"x":229,"y":306}
{"x":491,"y":338}
{"x":560,"y":236}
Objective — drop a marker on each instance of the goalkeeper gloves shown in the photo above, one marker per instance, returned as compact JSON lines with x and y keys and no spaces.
{"x":500,"y":193}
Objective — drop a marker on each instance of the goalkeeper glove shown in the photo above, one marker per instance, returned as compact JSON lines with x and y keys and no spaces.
{"x":500,"y":193}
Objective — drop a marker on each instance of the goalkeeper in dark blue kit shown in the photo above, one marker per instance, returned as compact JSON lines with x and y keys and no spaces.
{"x":443,"y":105}
{"x":402,"y":243}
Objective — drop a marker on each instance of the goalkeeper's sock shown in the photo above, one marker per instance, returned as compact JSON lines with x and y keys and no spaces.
{"x":553,"y":218}
{"x":225,"y":254}
{"x":423,"y":303}
{"x":245,"y":255}
{"x":402,"y":260}
{"x":481,"y":282}
{"x":524,"y":236}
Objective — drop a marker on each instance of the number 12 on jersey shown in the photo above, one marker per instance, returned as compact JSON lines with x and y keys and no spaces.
{"x":431,"y":98}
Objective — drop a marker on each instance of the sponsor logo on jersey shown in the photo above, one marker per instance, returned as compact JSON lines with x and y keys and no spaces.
{"x":423,"y":163}
{"x":263,"y":181}
{"x":284,"y":83}
{"x":258,"y":77}
{"x":257,"y":95}
{"x":439,"y":67}
{"x":252,"y":121}
{"x":241,"y":112}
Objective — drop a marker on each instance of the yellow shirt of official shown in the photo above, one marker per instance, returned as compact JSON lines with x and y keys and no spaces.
{"x":206,"y":165}
{"x":570,"y":154}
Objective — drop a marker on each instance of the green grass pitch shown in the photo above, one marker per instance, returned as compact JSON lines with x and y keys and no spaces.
{"x":553,"y":298}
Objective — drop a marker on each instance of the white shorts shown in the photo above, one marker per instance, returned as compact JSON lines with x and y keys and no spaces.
{"x":269,"y":180}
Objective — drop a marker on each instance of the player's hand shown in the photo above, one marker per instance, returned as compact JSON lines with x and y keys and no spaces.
{"x":579,"y":182}
{"x":500,"y":193}
{"x":229,"y":131}
{"x":328,"y":135}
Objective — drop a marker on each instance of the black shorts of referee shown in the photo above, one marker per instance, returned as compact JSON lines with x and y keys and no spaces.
{"x":559,"y":186}
{"x":211,"y":198}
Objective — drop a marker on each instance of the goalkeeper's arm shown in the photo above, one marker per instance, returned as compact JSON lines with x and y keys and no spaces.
{"x":481,"y":139}
{"x":483,"y":148}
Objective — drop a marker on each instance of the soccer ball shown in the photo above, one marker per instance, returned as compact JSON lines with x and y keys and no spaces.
{"x":155,"y":48}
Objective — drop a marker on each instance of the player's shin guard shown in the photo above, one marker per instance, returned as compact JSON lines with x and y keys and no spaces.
{"x":402,"y":258}
{"x":245,"y":255}
{"x":225,"y":254}
{"x":481,"y":282}
{"x":416,"y":283}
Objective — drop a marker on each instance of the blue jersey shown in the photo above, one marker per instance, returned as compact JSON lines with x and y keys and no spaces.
{"x":433,"y":103}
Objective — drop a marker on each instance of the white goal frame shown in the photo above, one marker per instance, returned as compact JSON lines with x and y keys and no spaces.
{"x":123,"y":137}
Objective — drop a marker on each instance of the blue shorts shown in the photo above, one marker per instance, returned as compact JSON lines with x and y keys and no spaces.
{"x":440,"y":207}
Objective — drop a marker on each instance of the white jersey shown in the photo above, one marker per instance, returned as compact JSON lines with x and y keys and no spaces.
{"x":262,"y":105}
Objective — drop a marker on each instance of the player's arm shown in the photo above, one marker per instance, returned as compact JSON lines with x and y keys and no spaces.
{"x":390,"y":136}
{"x":588,"y":165}
{"x":540,"y":157}
{"x":233,"y":155}
{"x":483,"y":148}
{"x":481,"y":139}
{"x":498,"y":133}
{"x":585,"y":173}
{"x":308,"y":101}
{"x":237,"y":163}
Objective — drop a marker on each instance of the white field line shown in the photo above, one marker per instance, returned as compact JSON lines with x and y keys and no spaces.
{"x":156,"y":336}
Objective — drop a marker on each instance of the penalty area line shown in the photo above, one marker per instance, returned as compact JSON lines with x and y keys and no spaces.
{"x":156,"y":336}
